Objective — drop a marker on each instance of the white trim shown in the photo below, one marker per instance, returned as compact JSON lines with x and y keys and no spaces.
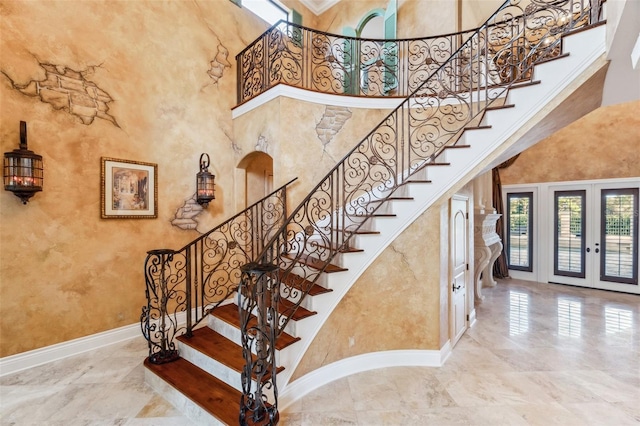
{"x":315,"y":97}
{"x":318,"y":7}
{"x":472,"y":318}
{"x":542,"y":225}
{"x":23,"y":361}
{"x":387,"y":103}
{"x":358,"y":364}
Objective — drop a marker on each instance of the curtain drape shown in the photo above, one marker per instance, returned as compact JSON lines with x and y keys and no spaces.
{"x":500,"y":267}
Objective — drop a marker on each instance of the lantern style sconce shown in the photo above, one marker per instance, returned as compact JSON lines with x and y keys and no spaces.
{"x":23,"y":171}
{"x":205,"y":183}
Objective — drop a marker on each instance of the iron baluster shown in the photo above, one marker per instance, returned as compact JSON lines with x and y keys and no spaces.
{"x":258,"y":309}
{"x":200,"y":276}
{"x":155,"y":315}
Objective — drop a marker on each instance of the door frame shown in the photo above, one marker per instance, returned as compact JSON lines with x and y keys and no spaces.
{"x":543,"y":222}
{"x":469,"y":296}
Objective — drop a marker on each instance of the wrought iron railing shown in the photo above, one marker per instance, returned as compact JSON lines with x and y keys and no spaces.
{"x":199,"y":277}
{"x":492,"y":59}
{"x":298,"y":56}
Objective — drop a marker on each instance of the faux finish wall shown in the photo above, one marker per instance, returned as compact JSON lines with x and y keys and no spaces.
{"x":603,"y":144}
{"x":166,"y":72}
{"x":394,"y":305}
{"x":416,"y":18}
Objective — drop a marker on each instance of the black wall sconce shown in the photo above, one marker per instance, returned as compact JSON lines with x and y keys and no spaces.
{"x":23,"y":171}
{"x":205,"y":183}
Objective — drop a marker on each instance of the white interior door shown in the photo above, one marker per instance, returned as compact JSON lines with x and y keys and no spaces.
{"x":459,"y":260}
{"x":595,"y":236}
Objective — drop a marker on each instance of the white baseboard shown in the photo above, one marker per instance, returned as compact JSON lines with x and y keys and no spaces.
{"x":359,"y":364}
{"x":472,"y":318}
{"x":23,"y":361}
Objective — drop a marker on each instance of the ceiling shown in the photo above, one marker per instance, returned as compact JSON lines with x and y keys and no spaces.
{"x":318,"y":6}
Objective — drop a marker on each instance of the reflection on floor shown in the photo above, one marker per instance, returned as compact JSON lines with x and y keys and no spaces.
{"x":540,"y":354}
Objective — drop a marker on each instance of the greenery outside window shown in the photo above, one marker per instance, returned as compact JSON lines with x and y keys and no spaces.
{"x":519,"y":231}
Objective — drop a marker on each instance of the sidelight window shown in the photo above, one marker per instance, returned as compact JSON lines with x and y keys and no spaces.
{"x":519,"y":231}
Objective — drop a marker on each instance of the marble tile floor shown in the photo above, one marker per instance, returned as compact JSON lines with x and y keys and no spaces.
{"x":540,"y":354}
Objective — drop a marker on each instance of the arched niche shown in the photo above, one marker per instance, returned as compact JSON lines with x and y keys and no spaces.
{"x":253,"y":179}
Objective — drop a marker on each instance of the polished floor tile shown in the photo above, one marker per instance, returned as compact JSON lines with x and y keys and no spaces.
{"x":539,"y":354}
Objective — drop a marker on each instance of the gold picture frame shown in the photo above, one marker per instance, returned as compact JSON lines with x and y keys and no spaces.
{"x":129,"y":189}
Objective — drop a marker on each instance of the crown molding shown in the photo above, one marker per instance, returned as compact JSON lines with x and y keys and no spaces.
{"x":319,"y":6}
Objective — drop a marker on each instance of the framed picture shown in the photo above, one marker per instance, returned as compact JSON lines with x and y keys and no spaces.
{"x":129,"y":189}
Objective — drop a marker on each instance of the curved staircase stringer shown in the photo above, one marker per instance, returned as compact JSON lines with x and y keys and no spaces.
{"x":586,"y":52}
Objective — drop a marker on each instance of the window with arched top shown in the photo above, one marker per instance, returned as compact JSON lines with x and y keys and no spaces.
{"x":373,"y":72}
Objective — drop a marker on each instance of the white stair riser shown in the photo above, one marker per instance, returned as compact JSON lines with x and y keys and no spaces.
{"x":187,"y":407}
{"x":211,"y":366}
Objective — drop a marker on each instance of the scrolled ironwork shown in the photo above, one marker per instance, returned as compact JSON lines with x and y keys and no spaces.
{"x":257,"y":302}
{"x":200,"y":276}
{"x":450,"y":81}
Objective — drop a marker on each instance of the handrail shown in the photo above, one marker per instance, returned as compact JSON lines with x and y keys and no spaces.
{"x":496,"y":57}
{"x":301,"y":57}
{"x":197,"y":278}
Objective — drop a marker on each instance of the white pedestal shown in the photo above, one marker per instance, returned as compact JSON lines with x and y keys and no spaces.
{"x":487,"y":248}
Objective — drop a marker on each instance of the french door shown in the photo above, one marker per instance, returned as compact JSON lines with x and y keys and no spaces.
{"x":594,"y":230}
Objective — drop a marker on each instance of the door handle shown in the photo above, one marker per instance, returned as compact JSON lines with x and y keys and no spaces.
{"x":454,"y":287}
{"x":597,"y":249}
{"x":588,"y":250}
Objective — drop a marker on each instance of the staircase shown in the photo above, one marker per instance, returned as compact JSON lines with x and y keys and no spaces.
{"x":316,"y":264}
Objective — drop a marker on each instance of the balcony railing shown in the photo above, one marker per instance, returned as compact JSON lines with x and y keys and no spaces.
{"x":301,"y":57}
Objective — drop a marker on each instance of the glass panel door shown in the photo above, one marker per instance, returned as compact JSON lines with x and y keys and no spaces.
{"x":519,"y":244}
{"x":619,"y":233}
{"x":569,"y":238}
{"x":594,"y":234}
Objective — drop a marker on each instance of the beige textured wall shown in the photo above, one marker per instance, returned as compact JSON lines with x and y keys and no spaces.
{"x":394,"y":305}
{"x":603,"y":144}
{"x":475,"y":13}
{"x":290,"y":128}
{"x":169,"y":70}
{"x":401,"y":301}
{"x":259,"y":169}
{"x":411,"y":16}
{"x":65,"y":272}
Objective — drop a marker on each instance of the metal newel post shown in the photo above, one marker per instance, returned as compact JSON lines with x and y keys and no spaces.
{"x":257,"y":302}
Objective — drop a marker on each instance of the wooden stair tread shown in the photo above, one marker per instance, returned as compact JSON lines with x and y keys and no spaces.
{"x":358,"y":232}
{"x":392,"y":198}
{"x":418,"y":181}
{"x":524,"y":83}
{"x":551,"y":58}
{"x":497,"y":107}
{"x":315,"y":263}
{"x":300,"y":313}
{"x":297,"y":282}
{"x":584,"y":28}
{"x":229,"y":314}
{"x":374,"y":215}
{"x":218,"y":347}
{"x":211,"y":394}
{"x":348,"y":249}
{"x":484,"y":126}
